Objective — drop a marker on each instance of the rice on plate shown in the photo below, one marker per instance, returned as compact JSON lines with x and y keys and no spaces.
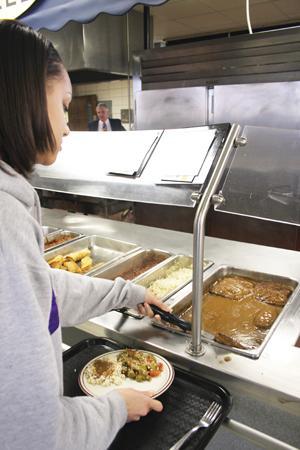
{"x":104,"y":372}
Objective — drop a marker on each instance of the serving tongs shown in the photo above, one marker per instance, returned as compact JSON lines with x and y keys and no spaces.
{"x":171,"y":318}
{"x":164,"y":315}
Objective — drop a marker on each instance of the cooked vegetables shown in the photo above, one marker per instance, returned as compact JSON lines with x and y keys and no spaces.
{"x":139,"y":365}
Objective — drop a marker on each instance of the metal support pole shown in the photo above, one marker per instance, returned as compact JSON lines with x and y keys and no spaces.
{"x":195,"y":347}
{"x":128,"y":69}
{"x":146,"y":27}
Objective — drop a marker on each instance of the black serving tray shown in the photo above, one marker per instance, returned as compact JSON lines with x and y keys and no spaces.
{"x":184,"y":403}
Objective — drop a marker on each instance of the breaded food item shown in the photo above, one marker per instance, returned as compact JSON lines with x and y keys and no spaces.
{"x":265,"y":319}
{"x":86,"y":263}
{"x":57,"y":262}
{"x":272,"y":293}
{"x":72,"y":266}
{"x":78,"y":256}
{"x":77,"y":262}
{"x":233,"y":287}
{"x":59,"y":259}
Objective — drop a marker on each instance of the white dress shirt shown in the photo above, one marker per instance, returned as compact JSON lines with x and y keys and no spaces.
{"x":107,"y":123}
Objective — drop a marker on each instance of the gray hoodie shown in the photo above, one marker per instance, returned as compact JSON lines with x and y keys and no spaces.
{"x":35,"y":301}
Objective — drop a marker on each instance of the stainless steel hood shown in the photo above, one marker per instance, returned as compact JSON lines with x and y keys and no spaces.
{"x":103,"y":46}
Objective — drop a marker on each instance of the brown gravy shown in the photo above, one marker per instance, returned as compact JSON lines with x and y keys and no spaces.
{"x":228,"y":317}
{"x":243,"y":320}
{"x":103,"y":367}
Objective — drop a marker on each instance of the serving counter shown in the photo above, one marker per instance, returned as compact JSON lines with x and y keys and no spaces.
{"x":266,"y":391}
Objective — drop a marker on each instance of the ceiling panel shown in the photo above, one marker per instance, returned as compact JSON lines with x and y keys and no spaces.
{"x":185,"y":18}
{"x":177,"y":9}
{"x":223,"y":5}
{"x":290,"y":7}
{"x":209,"y":20}
{"x":262,"y":14}
{"x":170,"y":29}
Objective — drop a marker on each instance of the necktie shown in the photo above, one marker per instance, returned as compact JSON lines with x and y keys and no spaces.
{"x":104,"y":127}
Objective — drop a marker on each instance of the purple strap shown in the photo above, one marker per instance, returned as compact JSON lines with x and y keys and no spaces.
{"x":54,"y":317}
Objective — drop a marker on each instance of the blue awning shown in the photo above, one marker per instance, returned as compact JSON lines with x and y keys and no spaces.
{"x":54,"y":14}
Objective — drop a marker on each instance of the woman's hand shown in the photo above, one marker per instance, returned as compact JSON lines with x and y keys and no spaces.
{"x":150,"y":299}
{"x":139,"y":403}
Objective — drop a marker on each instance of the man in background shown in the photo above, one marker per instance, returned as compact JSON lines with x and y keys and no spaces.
{"x":104,"y":123}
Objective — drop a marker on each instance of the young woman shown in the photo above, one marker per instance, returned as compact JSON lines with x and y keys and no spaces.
{"x":35,"y":301}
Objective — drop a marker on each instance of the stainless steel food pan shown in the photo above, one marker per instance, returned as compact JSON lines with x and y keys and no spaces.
{"x":51,"y":238}
{"x":103,"y":250}
{"x":48,"y":230}
{"x":131,"y":263}
{"x":183,"y":302}
{"x":161,"y":272}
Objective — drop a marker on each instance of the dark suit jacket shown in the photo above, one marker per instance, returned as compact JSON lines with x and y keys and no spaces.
{"x":115,"y":124}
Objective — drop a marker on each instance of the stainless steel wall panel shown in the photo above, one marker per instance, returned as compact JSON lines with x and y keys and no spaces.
{"x":105,"y":44}
{"x":262,"y":104}
{"x":100,"y":45}
{"x":171,"y":108}
{"x":69,"y":43}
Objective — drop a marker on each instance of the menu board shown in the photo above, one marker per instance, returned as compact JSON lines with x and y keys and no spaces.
{"x":94,"y":155}
{"x":182,"y":152}
{"x":131,"y":159}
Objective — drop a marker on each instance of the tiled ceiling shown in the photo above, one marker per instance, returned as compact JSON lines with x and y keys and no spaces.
{"x":178,"y":19}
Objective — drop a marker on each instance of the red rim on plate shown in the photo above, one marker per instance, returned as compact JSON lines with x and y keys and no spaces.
{"x":158,"y":384}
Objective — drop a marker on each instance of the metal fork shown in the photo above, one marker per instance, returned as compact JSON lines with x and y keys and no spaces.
{"x":208,"y":418}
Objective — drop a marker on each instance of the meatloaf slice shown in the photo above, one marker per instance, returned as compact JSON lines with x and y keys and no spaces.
{"x":233,"y":287}
{"x":272,"y":293}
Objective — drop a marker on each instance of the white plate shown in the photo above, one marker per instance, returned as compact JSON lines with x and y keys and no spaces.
{"x":157,"y":385}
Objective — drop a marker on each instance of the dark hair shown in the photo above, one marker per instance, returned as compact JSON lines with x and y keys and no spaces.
{"x":27,"y":61}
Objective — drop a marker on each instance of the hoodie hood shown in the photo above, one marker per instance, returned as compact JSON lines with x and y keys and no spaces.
{"x":17,"y":186}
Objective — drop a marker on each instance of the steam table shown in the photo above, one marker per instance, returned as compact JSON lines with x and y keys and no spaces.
{"x":266,"y":392}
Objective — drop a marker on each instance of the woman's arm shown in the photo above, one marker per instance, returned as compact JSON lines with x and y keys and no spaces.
{"x":80,"y":297}
{"x":34,"y":412}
